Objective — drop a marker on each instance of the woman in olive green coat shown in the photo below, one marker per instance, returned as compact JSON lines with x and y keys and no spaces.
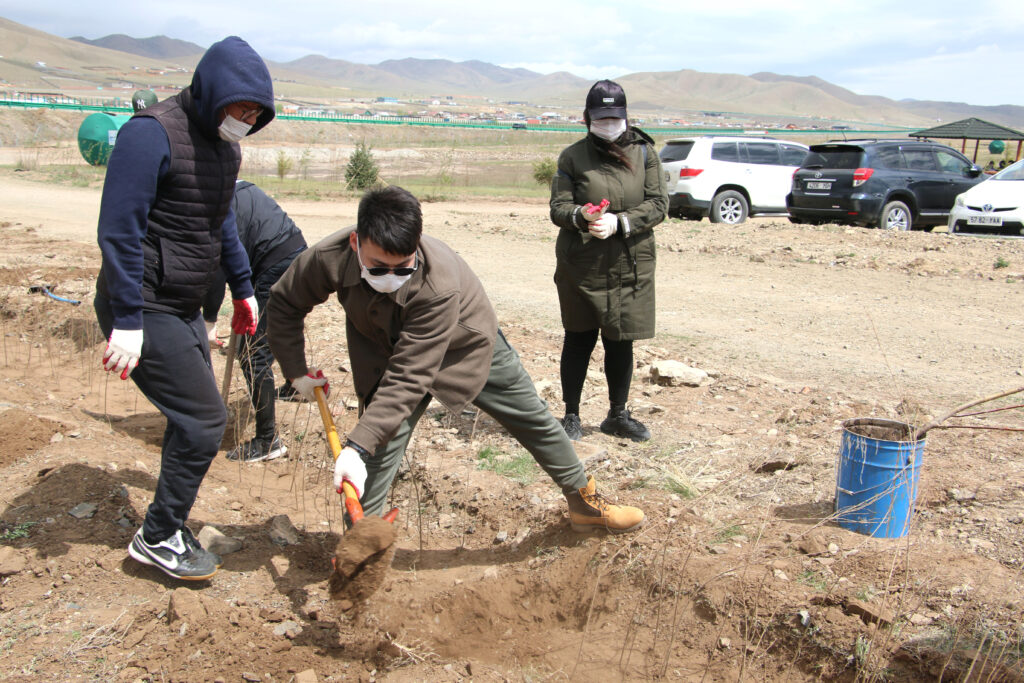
{"x":606,"y":256}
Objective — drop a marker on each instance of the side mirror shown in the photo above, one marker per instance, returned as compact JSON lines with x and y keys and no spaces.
{"x":974,"y":171}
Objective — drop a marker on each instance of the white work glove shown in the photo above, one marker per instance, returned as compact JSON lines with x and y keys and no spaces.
{"x":123,"y":350}
{"x":247,"y":312}
{"x":312,"y":379}
{"x":605,"y":226}
{"x":349,"y":466}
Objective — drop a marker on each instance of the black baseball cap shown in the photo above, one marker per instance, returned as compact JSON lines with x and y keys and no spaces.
{"x":605,"y":99}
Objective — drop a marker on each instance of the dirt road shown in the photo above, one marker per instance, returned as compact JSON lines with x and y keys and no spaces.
{"x":884,"y":315}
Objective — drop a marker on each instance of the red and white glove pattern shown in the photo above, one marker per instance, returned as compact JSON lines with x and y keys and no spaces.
{"x":312,"y":379}
{"x":592,"y":212}
{"x":123,"y":351}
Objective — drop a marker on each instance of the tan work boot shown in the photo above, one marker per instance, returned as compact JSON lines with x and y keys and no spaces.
{"x":590,"y":511}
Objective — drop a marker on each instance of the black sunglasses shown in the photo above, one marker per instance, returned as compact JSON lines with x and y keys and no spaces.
{"x":377,"y":271}
{"x":401,"y":271}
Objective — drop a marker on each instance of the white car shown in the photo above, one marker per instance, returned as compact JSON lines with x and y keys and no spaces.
{"x":728,"y":178}
{"x":995,"y":206}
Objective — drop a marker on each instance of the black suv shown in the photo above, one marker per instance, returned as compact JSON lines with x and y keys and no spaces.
{"x":894,"y":184}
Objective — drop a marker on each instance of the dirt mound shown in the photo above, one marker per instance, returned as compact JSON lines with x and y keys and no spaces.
{"x":22,"y":433}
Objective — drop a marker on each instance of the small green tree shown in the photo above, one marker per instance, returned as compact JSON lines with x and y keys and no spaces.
{"x":284,"y":163}
{"x":362,"y":172}
{"x":544,"y":170}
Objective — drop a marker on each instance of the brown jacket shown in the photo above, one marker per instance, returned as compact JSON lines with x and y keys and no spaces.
{"x":434,"y":335}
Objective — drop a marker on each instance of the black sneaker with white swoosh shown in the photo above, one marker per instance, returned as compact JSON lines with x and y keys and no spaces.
{"x":175,"y":557}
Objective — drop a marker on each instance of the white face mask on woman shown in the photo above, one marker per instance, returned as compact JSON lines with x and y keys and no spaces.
{"x":233,"y":130}
{"x":608,"y":129}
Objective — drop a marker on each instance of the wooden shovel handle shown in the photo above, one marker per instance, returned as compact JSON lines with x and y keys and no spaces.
{"x":229,"y":365}
{"x":352,"y":505}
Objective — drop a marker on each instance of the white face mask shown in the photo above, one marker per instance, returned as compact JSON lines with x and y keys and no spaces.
{"x":608,"y":129}
{"x":385,"y":284}
{"x":233,"y":130}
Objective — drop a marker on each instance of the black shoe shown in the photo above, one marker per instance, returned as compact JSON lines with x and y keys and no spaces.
{"x":257,"y":450}
{"x":621,"y":424}
{"x":193,"y":544}
{"x":173,"y":557}
{"x":573,"y":428}
{"x":286,"y":392}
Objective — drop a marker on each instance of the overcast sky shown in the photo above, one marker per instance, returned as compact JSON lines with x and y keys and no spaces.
{"x":940,"y":50}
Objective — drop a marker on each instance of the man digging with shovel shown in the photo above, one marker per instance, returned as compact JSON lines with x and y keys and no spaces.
{"x":418,"y":325}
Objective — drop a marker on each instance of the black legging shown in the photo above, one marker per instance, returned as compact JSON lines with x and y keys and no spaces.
{"x":618,"y":368}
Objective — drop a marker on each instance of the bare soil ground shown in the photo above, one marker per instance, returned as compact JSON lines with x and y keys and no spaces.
{"x":741,"y":573}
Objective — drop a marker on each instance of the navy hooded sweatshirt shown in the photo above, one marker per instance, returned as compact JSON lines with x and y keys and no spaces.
{"x":230,"y":71}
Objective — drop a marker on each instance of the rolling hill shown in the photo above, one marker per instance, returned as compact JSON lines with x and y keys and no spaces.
{"x":82,"y":62}
{"x":157,"y":47}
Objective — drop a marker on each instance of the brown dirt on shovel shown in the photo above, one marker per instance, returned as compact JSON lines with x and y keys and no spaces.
{"x":362,"y":559}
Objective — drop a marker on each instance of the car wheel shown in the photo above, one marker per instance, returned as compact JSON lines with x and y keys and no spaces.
{"x":895,"y":216}
{"x":728,"y":207}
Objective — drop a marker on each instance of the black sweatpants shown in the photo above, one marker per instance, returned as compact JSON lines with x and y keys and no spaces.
{"x":175,"y":374}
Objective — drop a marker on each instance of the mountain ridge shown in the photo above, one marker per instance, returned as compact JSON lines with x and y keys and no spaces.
{"x":669,"y":93}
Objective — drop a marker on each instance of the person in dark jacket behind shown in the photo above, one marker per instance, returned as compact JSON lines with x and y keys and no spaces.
{"x":165,"y":228}
{"x":272,"y":241}
{"x":605,"y":258}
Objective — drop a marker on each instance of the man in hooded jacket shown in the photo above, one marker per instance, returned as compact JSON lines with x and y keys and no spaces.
{"x":165,"y":228}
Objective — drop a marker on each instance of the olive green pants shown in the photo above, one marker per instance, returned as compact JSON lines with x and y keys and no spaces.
{"x":510,"y":398}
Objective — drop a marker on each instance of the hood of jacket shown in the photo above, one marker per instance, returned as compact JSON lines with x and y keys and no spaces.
{"x":230,"y":71}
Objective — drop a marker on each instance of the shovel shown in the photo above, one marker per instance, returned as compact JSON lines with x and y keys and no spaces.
{"x":229,"y":365}
{"x":362,"y":557}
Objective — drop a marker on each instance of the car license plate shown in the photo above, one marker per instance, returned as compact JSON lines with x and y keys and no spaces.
{"x":984,"y":220}
{"x":818,"y":185}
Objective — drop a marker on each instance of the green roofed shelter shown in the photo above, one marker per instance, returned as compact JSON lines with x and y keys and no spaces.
{"x":972,"y":129}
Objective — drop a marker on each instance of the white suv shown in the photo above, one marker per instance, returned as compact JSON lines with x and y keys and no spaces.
{"x":729,"y":178}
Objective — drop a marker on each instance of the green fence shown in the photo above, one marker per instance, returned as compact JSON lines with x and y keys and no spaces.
{"x":117,"y":106}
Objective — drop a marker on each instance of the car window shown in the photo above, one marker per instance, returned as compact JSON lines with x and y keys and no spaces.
{"x":1014,"y":171}
{"x":792,"y":155}
{"x":725,"y":151}
{"x":762,"y":153}
{"x":676,"y":151}
{"x":920,"y":159}
{"x":889,"y":157}
{"x":951,"y":163}
{"x":834,"y":157}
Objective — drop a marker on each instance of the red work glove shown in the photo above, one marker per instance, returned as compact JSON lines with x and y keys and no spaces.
{"x":247,"y":311}
{"x":592,"y":212}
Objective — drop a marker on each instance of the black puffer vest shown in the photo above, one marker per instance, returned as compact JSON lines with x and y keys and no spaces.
{"x":183,"y":236}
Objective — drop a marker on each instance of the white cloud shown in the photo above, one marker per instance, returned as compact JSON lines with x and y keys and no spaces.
{"x":945,"y":50}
